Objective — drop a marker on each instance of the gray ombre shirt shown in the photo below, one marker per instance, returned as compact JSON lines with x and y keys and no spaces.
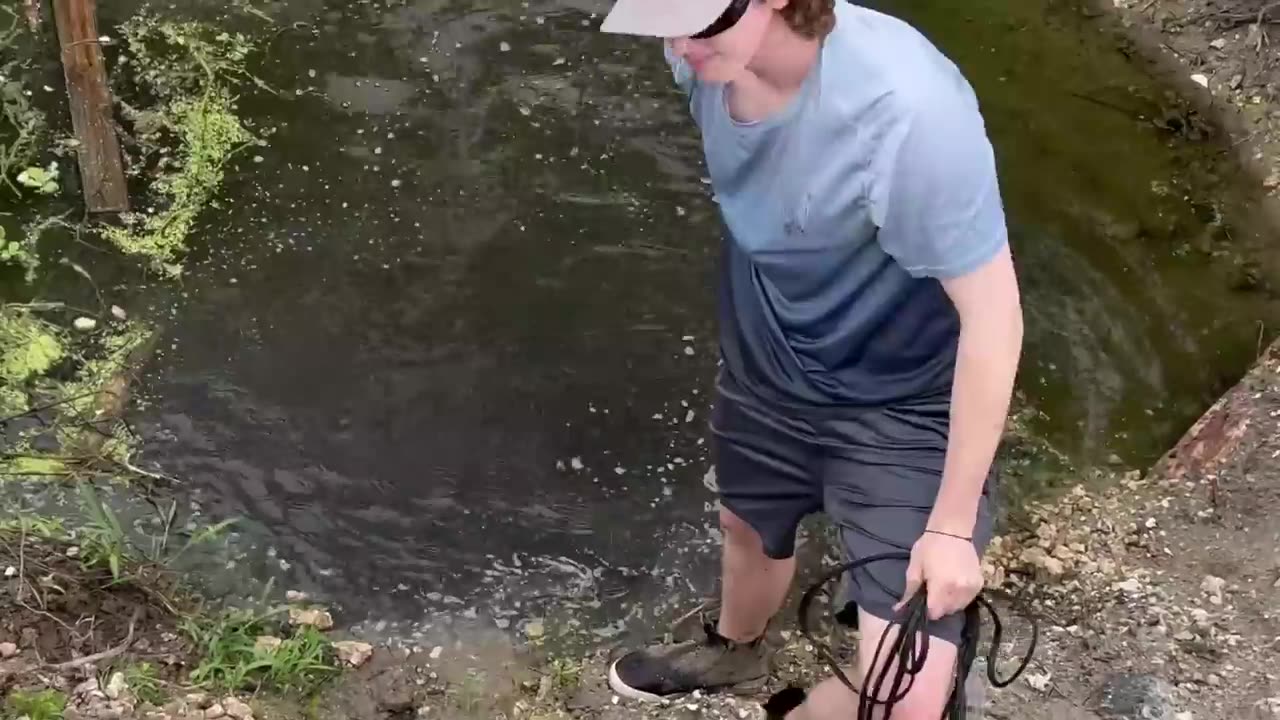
{"x":843,"y":211}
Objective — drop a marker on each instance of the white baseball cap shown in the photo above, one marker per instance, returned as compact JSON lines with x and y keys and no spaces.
{"x":663,"y":18}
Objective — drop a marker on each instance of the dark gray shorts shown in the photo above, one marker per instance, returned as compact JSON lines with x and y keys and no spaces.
{"x":874,"y":472}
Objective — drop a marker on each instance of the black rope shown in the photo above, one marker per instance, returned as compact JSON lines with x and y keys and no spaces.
{"x":910,"y":649}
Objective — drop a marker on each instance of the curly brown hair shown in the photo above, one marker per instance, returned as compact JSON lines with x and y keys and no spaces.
{"x":810,"y":18}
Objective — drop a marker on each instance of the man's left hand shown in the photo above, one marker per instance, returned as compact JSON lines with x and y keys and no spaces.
{"x":950,"y":571}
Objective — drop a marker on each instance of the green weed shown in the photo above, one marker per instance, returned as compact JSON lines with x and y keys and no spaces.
{"x":102,"y":539}
{"x":564,"y":674}
{"x":232,"y":658}
{"x":34,"y":526}
{"x":43,"y":705}
{"x":145,"y":683}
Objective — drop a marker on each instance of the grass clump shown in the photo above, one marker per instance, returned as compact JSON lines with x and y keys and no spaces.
{"x":42,"y":705}
{"x":238,"y":652}
{"x":144,"y":682}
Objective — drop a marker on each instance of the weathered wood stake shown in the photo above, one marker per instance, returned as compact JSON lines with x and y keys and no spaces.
{"x":85,"y":70}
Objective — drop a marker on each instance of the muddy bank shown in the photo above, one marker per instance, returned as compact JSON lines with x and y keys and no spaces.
{"x":1224,"y":55}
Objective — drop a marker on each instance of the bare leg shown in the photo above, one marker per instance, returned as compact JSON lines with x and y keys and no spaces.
{"x":831,"y":700}
{"x":753,"y":585}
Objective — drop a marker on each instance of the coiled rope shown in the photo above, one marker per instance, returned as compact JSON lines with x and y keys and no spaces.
{"x":909,"y":650}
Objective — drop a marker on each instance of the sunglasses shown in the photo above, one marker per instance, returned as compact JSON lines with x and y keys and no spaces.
{"x":727,"y":19}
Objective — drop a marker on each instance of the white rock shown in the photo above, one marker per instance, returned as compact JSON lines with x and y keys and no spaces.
{"x":1218,"y":44}
{"x":8,"y":650}
{"x":1200,"y":79}
{"x":118,"y":313}
{"x":353,"y":653}
{"x":84,"y":324}
{"x":436,"y":652}
{"x":1213,"y":585}
{"x":10,"y":571}
{"x":214,"y":711}
{"x":237,"y":709}
{"x":504,"y":46}
{"x":1130,"y":586}
{"x":318,"y":618}
{"x":534,"y":629}
{"x":267,"y":643}
{"x":116,"y":686}
{"x":1038,"y":681}
{"x":295,"y":596}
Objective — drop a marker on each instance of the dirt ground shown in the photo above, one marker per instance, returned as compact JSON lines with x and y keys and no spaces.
{"x":1225,"y":56}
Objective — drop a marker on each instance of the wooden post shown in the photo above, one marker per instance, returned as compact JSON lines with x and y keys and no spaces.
{"x":86,"y":74}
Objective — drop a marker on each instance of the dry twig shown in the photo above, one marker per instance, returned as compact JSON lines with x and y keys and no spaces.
{"x":104,"y":655}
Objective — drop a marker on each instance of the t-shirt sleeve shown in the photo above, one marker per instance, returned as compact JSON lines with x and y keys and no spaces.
{"x":939,"y":206}
{"x":680,"y":69}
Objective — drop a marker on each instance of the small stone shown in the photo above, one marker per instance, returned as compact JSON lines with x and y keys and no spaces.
{"x":1131,"y":586}
{"x":197,"y":699}
{"x":396,"y":183}
{"x":1200,"y":79}
{"x":1213,"y":585}
{"x":504,"y":46}
{"x":534,"y":629}
{"x":10,"y":571}
{"x":436,"y":652}
{"x":688,"y":350}
{"x":1136,"y":696}
{"x":1272,"y":182}
{"x":318,"y":618}
{"x":267,"y":643}
{"x":353,"y":653}
{"x":85,"y":688}
{"x":118,"y":313}
{"x":214,"y":711}
{"x":296,"y":596}
{"x":1218,"y":44}
{"x":1039,"y":681}
{"x":84,"y":324}
{"x":116,"y":686}
{"x":237,"y":709}
{"x":1236,"y":81}
{"x":73,"y":552}
{"x":8,"y":650}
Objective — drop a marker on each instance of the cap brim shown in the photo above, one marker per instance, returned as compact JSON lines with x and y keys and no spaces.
{"x":662,"y":18}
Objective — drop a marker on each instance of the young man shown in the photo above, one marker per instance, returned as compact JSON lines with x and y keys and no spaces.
{"x":871,"y":326}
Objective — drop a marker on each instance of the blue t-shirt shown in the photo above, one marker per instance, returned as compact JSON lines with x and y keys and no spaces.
{"x":842,"y":213}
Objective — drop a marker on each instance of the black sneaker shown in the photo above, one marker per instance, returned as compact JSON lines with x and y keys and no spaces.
{"x":710,"y":664}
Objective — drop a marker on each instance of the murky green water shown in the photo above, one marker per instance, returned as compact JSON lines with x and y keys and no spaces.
{"x":448,"y":341}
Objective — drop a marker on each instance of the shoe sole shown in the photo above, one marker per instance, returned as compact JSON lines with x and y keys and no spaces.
{"x":616,"y":684}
